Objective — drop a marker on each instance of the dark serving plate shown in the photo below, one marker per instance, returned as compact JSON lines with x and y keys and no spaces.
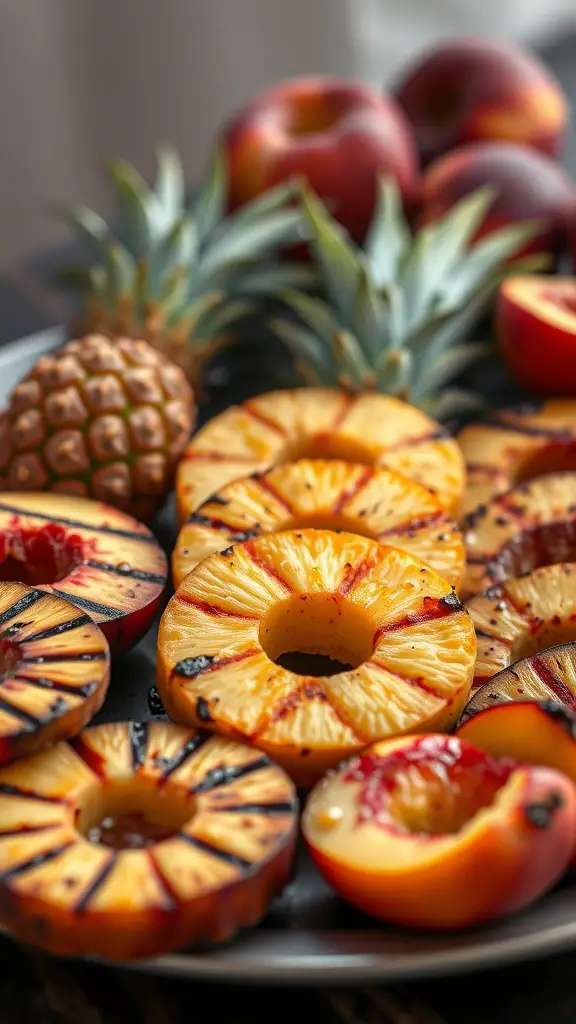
{"x":309,"y":935}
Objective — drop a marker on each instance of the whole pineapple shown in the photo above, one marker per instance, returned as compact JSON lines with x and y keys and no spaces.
{"x":182,"y":274}
{"x":104,"y":419}
{"x":397,"y":314}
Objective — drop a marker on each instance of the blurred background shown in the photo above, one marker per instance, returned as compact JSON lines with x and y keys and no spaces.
{"x":84,"y":79}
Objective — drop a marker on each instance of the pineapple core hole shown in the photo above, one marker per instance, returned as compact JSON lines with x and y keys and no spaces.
{"x":135,"y":814}
{"x":38,"y":556}
{"x":317,"y":635}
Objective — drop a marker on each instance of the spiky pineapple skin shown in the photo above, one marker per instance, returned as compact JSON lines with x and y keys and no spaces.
{"x":100,"y":418}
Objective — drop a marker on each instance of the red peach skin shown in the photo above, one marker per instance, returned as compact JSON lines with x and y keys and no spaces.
{"x":536,"y":332}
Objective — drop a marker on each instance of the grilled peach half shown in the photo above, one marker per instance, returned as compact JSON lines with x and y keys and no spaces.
{"x":102,"y":560}
{"x":54,"y":670}
{"x":522,"y":617}
{"x":282,"y":426}
{"x":139,"y":838}
{"x":331,"y":494}
{"x":515,"y":445}
{"x":531,"y":525}
{"x":311,"y":644}
{"x":549,"y":675}
{"x":430,"y":832}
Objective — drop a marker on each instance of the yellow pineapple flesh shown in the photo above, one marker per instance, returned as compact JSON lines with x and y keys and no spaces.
{"x":373,"y":429}
{"x":531,"y":525}
{"x":405,"y":645}
{"x":139,"y":838}
{"x":523,"y":616}
{"x":99,"y":418}
{"x":329,"y":494}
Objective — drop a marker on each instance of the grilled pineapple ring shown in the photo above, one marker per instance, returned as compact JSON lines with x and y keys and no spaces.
{"x":54,"y":670}
{"x":82,"y":873}
{"x":319,"y":423}
{"x":397,"y":623}
{"x":513,"y":446}
{"x":529,"y":526}
{"x":522,"y":617}
{"x":378,"y":503}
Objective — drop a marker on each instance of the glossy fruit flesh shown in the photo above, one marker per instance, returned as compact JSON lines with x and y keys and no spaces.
{"x":514,"y":446}
{"x":549,"y":675}
{"x":536,"y":331}
{"x":137,"y":839}
{"x":101,"y":559}
{"x":402,"y":830}
{"x":530,"y":526}
{"x":523,"y":617}
{"x":406,"y":647}
{"x":334,"y":494}
{"x":323,"y":423}
{"x":54,"y":670}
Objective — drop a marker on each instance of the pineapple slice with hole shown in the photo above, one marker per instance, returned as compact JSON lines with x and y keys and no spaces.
{"x":139,"y":838}
{"x":311,"y":644}
{"x":548,"y":675}
{"x":54,"y":670}
{"x":514,"y":446}
{"x":522,"y":617}
{"x":376,"y":430}
{"x":328,"y":494}
{"x":102,"y":560}
{"x":531,"y":525}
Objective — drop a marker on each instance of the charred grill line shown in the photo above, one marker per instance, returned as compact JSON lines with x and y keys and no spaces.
{"x":64,"y":627}
{"x":35,"y":862}
{"x":418,"y":523}
{"x":26,"y":830}
{"x":189,"y":748}
{"x":21,"y":606}
{"x":348,"y":493}
{"x":101,"y":877}
{"x":138,"y":743}
{"x":128,"y":572}
{"x":90,"y":606}
{"x":552,"y":681}
{"x":6,"y":789}
{"x":16,"y":712}
{"x":262,"y":418}
{"x":223,"y":775}
{"x":51,"y":659}
{"x":269,"y":488}
{"x":215,"y":851}
{"x":269,"y":809}
{"x":500,"y":423}
{"x":172,"y":901}
{"x":262,"y":564}
{"x":85,"y":690}
{"x":109,"y":531}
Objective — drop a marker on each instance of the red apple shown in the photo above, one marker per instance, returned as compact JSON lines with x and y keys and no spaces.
{"x":536,"y":331}
{"x":528,"y":186}
{"x":339,"y":135}
{"x":468,"y":90}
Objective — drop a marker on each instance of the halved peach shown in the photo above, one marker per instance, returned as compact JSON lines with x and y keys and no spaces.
{"x":138,"y":838}
{"x":102,"y":560}
{"x":430,"y":832}
{"x":530,"y":526}
{"x":522,"y":617}
{"x":548,"y":675}
{"x":536,"y":331}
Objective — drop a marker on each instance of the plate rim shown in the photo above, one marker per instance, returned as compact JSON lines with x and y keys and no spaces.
{"x":279,"y":956}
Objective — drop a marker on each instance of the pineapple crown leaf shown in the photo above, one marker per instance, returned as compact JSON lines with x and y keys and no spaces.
{"x":336,"y":255}
{"x":450,"y":364}
{"x":315,"y":358}
{"x":454,"y":402}
{"x":388,"y":236}
{"x":169,"y":187}
{"x":207,"y":209}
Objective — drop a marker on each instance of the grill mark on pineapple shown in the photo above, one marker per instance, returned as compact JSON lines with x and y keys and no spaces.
{"x":350,"y":492}
{"x":138,"y":743}
{"x":436,"y":518}
{"x":347,"y":403}
{"x":434,"y":608}
{"x":63,"y":627}
{"x":235,"y":536}
{"x":438,"y":434}
{"x":484,"y":469}
{"x":7,"y":789}
{"x":91,"y":758}
{"x":37,"y":861}
{"x":223,"y":775}
{"x":32,"y":721}
{"x":353,"y":574}
{"x":265,"y":566}
{"x":261,"y":417}
{"x":269,"y":488}
{"x":213,"y":609}
{"x":191,"y":747}
{"x":191,"y":668}
{"x":272,"y":810}
{"x":51,"y":659}
{"x":76,"y":524}
{"x":171,"y":896}
{"x":22,"y":605}
{"x":417,"y":684}
{"x":82,"y":904}
{"x":498,"y":422}
{"x":482,"y":634}
{"x":215,"y":851}
{"x":90,"y":606}
{"x":552,"y":681}
{"x":83,"y":690}
{"x":26,"y":830}
{"x":127,"y":572}
{"x":213,"y":456}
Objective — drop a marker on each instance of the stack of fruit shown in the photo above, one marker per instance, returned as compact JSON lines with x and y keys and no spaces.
{"x":316,"y":636}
